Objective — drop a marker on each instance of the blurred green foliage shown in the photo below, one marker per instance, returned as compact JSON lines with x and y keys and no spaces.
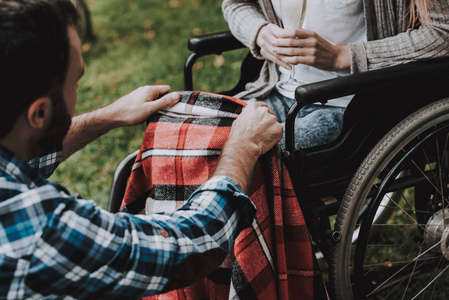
{"x":139,"y":42}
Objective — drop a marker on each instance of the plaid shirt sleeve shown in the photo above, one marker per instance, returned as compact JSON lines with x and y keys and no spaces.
{"x":84,"y":252}
{"x":46,"y":164}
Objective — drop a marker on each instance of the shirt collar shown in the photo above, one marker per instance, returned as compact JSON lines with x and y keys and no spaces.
{"x":14,"y":167}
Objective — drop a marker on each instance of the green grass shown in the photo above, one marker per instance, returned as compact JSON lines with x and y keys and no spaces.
{"x":138,"y":42}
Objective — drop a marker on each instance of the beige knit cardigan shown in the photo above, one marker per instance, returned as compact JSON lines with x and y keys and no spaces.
{"x":389,"y":41}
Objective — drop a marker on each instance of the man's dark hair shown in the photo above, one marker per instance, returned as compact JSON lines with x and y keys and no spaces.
{"x":34,"y":53}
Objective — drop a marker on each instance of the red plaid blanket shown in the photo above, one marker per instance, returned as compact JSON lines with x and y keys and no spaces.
{"x":273,"y":258}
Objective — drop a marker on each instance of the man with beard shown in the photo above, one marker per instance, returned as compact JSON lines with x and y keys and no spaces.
{"x":54,"y":245}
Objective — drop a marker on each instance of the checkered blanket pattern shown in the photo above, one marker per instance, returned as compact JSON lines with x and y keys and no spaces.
{"x":273,"y":258}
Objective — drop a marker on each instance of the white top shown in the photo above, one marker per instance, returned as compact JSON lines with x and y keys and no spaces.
{"x":338,"y":21}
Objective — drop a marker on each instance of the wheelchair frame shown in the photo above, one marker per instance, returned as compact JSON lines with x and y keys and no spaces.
{"x":322,"y":174}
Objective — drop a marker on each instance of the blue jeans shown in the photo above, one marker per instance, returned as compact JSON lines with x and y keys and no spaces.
{"x":315,"y":124}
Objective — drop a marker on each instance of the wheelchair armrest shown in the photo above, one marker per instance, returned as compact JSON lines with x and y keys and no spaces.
{"x":362,"y":82}
{"x":214,"y":43}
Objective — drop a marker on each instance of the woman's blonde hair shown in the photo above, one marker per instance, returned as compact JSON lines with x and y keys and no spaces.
{"x":418,"y":12}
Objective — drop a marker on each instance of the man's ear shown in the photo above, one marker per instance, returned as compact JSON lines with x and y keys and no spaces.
{"x":39,"y":112}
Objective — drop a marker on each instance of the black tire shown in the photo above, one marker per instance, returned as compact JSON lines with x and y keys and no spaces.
{"x":402,"y":257}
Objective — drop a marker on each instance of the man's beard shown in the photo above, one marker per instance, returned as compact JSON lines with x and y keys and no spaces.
{"x":58,"y":127}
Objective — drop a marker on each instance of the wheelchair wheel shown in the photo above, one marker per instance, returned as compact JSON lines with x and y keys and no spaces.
{"x":405,"y":253}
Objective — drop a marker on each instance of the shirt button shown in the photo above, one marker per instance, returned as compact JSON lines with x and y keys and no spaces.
{"x":164,"y":234}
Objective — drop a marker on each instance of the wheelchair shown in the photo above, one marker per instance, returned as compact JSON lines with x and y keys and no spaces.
{"x":375,"y":200}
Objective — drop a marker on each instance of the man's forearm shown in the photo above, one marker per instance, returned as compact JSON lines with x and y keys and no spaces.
{"x":85,"y":128}
{"x":237,"y":162}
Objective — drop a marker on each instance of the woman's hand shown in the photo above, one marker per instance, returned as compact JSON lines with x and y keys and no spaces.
{"x":287,"y":47}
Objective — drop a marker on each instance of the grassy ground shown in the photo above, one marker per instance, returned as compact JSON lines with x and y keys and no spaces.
{"x":138,"y":42}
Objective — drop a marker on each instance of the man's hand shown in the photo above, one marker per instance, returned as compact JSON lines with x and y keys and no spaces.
{"x":253,"y":133}
{"x":256,"y":128}
{"x":132,"y":109}
{"x":137,"y":106}
{"x":287,"y":47}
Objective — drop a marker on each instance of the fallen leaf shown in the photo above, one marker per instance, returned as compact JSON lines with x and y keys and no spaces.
{"x":219,"y":61}
{"x":175,"y":3}
{"x":198,"y":66}
{"x":149,"y":34}
{"x":85,"y":47}
{"x":197,"y":31}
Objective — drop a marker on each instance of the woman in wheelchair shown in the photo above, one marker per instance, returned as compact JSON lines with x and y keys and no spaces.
{"x":383,"y":156}
{"x":337,"y":38}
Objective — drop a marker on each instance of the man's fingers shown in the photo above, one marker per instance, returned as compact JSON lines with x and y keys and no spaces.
{"x":271,"y":112}
{"x":262,"y":104}
{"x":259,"y":103}
{"x":165,"y":101}
{"x":156,"y":91}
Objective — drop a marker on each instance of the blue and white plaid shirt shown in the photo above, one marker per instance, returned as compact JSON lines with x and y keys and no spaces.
{"x":54,"y":245}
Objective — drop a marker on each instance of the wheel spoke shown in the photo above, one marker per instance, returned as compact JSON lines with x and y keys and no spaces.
{"x":411,"y":275}
{"x":408,"y":215}
{"x":428,"y":180}
{"x":432,"y":281}
{"x":393,"y":217}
